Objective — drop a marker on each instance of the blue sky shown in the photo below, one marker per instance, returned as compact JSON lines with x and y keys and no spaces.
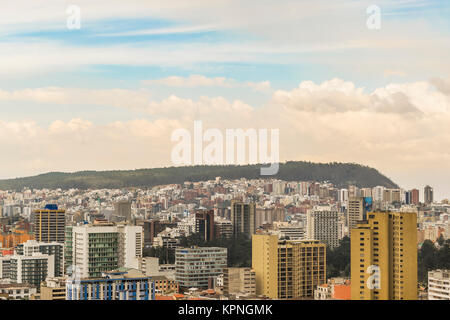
{"x":160,"y":65}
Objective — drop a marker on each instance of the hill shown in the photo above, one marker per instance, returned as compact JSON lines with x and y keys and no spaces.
{"x":340,"y":174}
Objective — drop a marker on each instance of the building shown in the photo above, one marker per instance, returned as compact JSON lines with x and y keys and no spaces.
{"x":14,"y":238}
{"x":268,"y":215}
{"x":102,"y":247}
{"x":439,"y":285}
{"x":291,"y":232}
{"x":157,"y":226}
{"x":145,"y":224}
{"x":384,"y":257}
{"x":68,"y":245}
{"x":16,"y":291}
{"x":323,"y":225}
{"x":355,"y":211}
{"x":164,"y":285}
{"x":53,"y":289}
{"x":54,"y":249}
{"x":415,"y":197}
{"x":122,"y":209}
{"x":5,"y":267}
{"x":239,"y":281}
{"x":289,"y":269}
{"x":204,"y":224}
{"x":334,"y":289}
{"x":243,"y":218}
{"x":121,"y":284}
{"x":49,"y":224}
{"x":150,"y":267}
{"x":428,"y":194}
{"x":223,"y":229}
{"x":31,"y":269}
{"x":194,"y":266}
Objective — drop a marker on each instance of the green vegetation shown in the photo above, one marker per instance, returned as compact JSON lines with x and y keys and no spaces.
{"x":338,"y":259}
{"x":165,"y":255}
{"x":239,"y":249}
{"x":432,"y":258}
{"x":340,"y":174}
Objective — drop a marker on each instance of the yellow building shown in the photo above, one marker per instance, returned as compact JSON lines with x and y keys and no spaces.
{"x":50,"y":224}
{"x":384,"y":257}
{"x":53,"y":289}
{"x":287,"y":269}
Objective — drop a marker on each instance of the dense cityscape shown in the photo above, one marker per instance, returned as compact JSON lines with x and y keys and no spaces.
{"x":225,"y":240}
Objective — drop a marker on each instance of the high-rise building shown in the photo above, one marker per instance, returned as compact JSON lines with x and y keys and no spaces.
{"x":239,"y":281}
{"x":343,"y":195}
{"x":428,"y":194}
{"x":194,"y":266}
{"x":439,"y":285}
{"x":287,"y":269}
{"x":384,"y":257}
{"x":204,"y":224}
{"x":268,"y":215}
{"x":54,"y":249}
{"x":323,"y":225}
{"x":99,"y":248}
{"x":49,"y":224}
{"x":243,"y":218}
{"x":223,"y":229}
{"x":122,"y":209}
{"x":68,"y":245}
{"x":355,"y":211}
{"x":415,"y":197}
{"x":378,"y":193}
{"x":31,"y":269}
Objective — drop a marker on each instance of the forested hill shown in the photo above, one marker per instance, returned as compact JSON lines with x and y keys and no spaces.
{"x":340,"y":174}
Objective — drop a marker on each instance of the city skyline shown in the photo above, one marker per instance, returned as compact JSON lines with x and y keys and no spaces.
{"x":108,"y":96}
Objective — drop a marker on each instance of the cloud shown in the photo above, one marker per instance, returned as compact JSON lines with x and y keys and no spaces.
{"x":194,"y":81}
{"x":400,"y":128}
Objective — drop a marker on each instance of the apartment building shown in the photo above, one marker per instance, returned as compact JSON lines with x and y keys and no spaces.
{"x":121,"y":284}
{"x":194,"y":266}
{"x":102,"y":247}
{"x":287,"y":269}
{"x":243,"y":217}
{"x":53,"y":289}
{"x":31,"y":269}
{"x":49,"y":224}
{"x":439,"y":285}
{"x":355,"y":211}
{"x":323,"y":225}
{"x":239,"y":281}
{"x":54,"y":249}
{"x":384,"y":257}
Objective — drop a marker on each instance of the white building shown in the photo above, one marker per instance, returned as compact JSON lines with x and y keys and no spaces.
{"x":439,"y":285}
{"x":105,"y":247}
{"x":195,"y":266}
{"x":378,"y":193}
{"x":323,"y":225}
{"x":32,"y":269}
{"x":17,"y":291}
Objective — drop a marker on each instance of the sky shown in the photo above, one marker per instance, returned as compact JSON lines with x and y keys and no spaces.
{"x":110,"y":94}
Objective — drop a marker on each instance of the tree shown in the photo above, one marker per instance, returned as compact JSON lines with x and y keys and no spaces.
{"x":338,"y":259}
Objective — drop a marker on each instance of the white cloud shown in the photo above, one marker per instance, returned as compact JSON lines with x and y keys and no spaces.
{"x":330,"y":121}
{"x":196,"y":80}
